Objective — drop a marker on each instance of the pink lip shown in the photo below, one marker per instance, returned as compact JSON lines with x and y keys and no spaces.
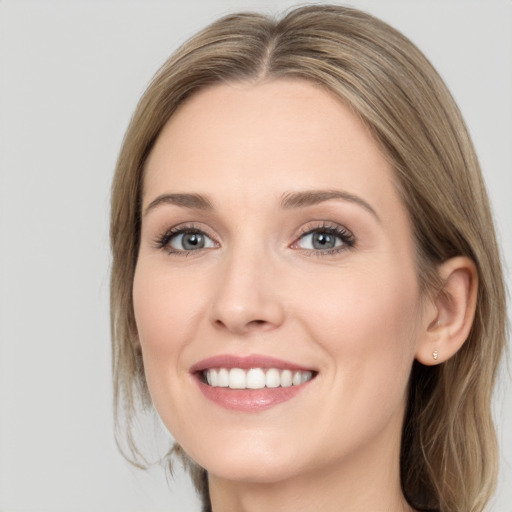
{"x":245,"y":362}
{"x":247,"y":400}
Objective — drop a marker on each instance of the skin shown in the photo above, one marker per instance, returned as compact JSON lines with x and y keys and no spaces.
{"x":355,"y":316}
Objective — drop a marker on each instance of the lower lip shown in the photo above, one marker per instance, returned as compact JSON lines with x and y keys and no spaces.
{"x":250,"y":400}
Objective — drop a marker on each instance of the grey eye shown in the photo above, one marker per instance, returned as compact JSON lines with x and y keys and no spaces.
{"x":191,"y":241}
{"x":320,"y":240}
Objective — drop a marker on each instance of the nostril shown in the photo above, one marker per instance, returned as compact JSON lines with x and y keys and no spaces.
{"x":256,"y":323}
{"x":247,"y":326}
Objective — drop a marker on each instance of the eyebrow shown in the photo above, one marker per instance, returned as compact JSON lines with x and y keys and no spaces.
{"x":289,"y":201}
{"x":313,"y":197}
{"x":192,"y":201}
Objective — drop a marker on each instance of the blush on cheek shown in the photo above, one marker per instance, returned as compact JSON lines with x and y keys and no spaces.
{"x":370,"y":329}
{"x":158,"y":304}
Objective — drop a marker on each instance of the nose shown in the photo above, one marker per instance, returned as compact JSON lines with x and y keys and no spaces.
{"x":247,"y":296}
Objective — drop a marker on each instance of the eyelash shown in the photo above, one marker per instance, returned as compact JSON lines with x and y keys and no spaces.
{"x":347,"y":238}
{"x":163,"y":241}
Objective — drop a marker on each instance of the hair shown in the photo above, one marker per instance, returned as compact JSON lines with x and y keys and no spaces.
{"x":449,"y":453}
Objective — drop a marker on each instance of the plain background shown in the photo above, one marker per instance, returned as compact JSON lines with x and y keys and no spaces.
{"x":71,"y":73}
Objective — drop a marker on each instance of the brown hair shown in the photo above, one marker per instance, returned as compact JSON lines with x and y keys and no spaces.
{"x":449,"y":454}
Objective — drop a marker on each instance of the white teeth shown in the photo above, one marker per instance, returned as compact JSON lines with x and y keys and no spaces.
{"x":255,"y":378}
{"x":272,"y":378}
{"x":237,"y":378}
{"x":223,"y":378}
{"x":286,"y":378}
{"x":305,"y":376}
{"x":211,"y":377}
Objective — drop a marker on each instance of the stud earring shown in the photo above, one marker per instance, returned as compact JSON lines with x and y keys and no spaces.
{"x":434,"y":355}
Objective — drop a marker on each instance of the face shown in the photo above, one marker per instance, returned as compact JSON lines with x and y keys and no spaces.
{"x":276,"y":295}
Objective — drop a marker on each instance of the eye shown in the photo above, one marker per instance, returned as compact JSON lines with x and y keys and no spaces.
{"x":185,"y":240}
{"x":190,"y":241}
{"x":319,"y":240}
{"x":325,"y":239}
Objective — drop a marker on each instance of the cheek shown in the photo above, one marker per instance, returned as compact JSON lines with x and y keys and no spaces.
{"x":355,"y":302}
{"x":367,"y":321}
{"x":367,"y":326}
{"x":165,"y":312}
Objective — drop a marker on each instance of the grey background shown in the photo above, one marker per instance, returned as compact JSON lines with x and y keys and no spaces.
{"x":70,"y":75}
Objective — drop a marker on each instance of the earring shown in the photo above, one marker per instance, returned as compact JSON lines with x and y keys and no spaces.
{"x":434,"y":355}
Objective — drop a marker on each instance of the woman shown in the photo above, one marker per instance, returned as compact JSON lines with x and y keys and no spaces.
{"x":305,"y":281}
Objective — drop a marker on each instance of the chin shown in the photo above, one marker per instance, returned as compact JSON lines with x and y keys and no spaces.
{"x":253,"y":462}
{"x":253,"y":472}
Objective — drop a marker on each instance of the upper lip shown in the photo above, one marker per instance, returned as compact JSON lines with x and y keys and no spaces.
{"x":245,"y":362}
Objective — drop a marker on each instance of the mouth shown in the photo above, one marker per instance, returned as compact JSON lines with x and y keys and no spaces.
{"x":254,"y":378}
{"x":250,"y":383}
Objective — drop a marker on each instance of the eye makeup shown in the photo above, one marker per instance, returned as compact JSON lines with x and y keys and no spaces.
{"x":318,"y":238}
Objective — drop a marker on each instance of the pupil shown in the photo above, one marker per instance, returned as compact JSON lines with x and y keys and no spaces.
{"x":323,"y":241}
{"x":193,"y":241}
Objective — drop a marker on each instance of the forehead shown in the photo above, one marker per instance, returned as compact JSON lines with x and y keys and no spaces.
{"x":260,"y":139}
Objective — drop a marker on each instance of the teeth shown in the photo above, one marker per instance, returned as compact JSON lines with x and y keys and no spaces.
{"x":223,"y":378}
{"x":237,"y":378}
{"x":255,"y":378}
{"x":273,"y":378}
{"x":286,"y":378}
{"x":305,"y":376}
{"x":211,"y":377}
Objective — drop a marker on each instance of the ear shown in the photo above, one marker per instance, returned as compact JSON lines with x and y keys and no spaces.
{"x":450,"y":313}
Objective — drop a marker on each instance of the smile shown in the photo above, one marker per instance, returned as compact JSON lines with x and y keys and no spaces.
{"x":255,"y":378}
{"x":250,"y":383}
